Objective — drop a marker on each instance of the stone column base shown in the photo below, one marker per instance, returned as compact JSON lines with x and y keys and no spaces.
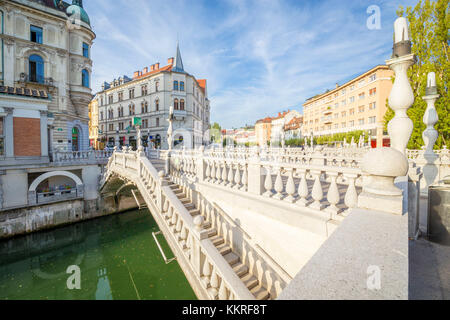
{"x":391,"y":204}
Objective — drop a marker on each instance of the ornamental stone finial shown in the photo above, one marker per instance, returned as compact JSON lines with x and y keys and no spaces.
{"x":402,"y":96}
{"x":383,"y":165}
{"x":430,"y":117}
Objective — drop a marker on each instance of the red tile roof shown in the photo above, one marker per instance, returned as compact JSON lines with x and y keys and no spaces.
{"x":166,"y":68}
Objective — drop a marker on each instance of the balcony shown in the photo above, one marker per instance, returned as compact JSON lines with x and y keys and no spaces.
{"x":328,"y":111}
{"x":36,"y":79}
{"x":55,"y":196}
{"x":179,"y":114}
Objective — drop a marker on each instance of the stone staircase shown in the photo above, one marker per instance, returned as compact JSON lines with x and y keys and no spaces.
{"x":242,"y":271}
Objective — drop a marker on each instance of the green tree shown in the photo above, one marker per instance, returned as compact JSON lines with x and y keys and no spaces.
{"x":216,"y":132}
{"x":429,"y":22}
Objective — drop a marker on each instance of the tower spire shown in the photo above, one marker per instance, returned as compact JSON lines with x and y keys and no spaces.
{"x":178,"y":61}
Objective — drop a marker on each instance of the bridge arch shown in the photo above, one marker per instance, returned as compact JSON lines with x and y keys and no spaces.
{"x":47,"y":175}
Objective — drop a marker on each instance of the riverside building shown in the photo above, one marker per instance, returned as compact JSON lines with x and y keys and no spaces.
{"x":148,"y":95}
{"x":359,"y":104}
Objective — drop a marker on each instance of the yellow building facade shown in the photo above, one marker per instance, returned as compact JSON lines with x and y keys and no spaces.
{"x":93,"y":125}
{"x":359,"y":104}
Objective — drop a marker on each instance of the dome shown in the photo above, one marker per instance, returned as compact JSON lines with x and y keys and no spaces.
{"x":77,"y":9}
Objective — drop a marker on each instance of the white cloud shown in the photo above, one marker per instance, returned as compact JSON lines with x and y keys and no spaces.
{"x":260,"y":57}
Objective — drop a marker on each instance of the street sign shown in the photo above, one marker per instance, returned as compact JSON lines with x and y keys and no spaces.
{"x":137,"y":121}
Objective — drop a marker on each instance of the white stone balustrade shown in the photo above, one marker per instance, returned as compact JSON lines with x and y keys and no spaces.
{"x":269,"y":273}
{"x":282,"y":181}
{"x":214,"y":277}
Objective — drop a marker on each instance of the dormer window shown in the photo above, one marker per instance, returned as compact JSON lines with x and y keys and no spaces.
{"x":36,"y":34}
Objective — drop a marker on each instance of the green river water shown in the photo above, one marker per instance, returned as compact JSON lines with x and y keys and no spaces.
{"x":116,"y":255}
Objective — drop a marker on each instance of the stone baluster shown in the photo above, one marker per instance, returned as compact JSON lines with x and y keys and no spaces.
{"x":224,"y":174}
{"x":208,"y":172}
{"x":213,"y":172}
{"x":244,"y":178}
{"x":214,"y":282}
{"x":351,"y":196}
{"x":333,"y":195}
{"x":237,"y":177}
{"x":290,"y":187}
{"x":218,"y":173}
{"x":230,"y":177}
{"x":223,"y":292}
{"x":302,"y":188}
{"x":317,"y":191}
{"x":279,"y":188}
{"x":268,"y":183}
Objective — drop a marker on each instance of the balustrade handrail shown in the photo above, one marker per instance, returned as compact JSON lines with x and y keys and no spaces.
{"x":277,"y":268}
{"x":142,"y":170}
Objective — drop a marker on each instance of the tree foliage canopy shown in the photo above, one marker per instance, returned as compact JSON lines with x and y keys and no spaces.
{"x":429,"y":23}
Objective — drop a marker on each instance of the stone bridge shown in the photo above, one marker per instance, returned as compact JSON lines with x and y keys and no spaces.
{"x":242,"y":223}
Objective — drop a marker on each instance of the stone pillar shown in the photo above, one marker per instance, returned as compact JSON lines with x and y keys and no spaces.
{"x":44,"y":134}
{"x":255,"y":180}
{"x":383,"y":165}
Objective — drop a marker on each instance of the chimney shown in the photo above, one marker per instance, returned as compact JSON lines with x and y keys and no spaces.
{"x":337,"y":85}
{"x":157,"y":66}
{"x":136,"y":74}
{"x":145,"y":70}
{"x":152,"y":67}
{"x":170,"y":61}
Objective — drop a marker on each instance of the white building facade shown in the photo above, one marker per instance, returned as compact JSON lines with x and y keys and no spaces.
{"x":149,"y":96}
{"x":278,"y":124}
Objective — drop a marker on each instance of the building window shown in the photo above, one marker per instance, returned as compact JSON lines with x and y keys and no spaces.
{"x":351,"y":123}
{"x":373,"y":77}
{"x":372,"y":119}
{"x":101,"y":115}
{"x":352,"y":99}
{"x":343,"y":124}
{"x":372,"y":105}
{"x":157,"y":86}
{"x":85,"y":50}
{"x":131,"y":109}
{"x":362,"y":96}
{"x":120,"y":96}
{"x":120,"y":111}
{"x":36,"y":66}
{"x":111,"y":127}
{"x":110,"y":99}
{"x":181,"y":85}
{"x":175,"y":85}
{"x":175,"y":104}
{"x":352,"y":111}
{"x":36,"y":34}
{"x":2,"y":137}
{"x":361,"y":109}
{"x":157,"y":122}
{"x":361,"y":121}
{"x":131,"y":93}
{"x":373,"y":92}
{"x":156,"y":105}
{"x":182,"y":104}
{"x":120,"y":125}
{"x":85,"y":78}
{"x":343,"y":103}
{"x":144,"y":90}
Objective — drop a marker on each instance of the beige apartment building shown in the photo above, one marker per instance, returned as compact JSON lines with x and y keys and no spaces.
{"x":359,"y":104}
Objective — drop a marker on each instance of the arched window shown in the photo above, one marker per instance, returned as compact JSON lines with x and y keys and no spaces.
{"x":175,"y":104}
{"x":182,"y":104}
{"x":156,"y":105}
{"x":175,"y":85}
{"x":131,"y":109}
{"x":146,"y":107}
{"x":36,"y":68}
{"x":181,"y":85}
{"x":85,"y":78}
{"x":142,"y":107}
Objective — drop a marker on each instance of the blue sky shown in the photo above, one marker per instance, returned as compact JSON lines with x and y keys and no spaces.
{"x":259,"y":57}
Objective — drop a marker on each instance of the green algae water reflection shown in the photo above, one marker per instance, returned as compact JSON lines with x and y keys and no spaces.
{"x":117,"y":256}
